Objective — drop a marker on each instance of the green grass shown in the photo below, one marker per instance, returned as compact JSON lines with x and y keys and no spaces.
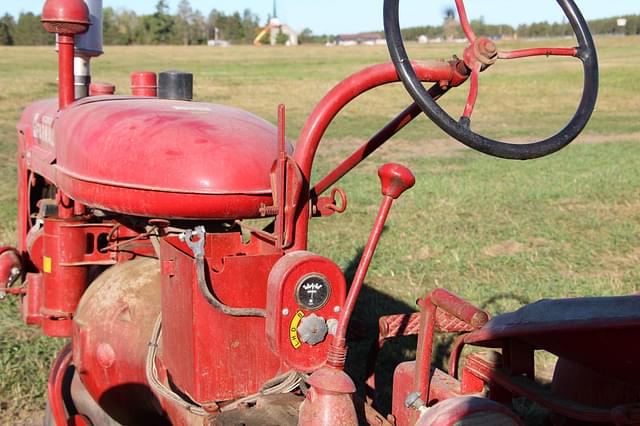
{"x":496,"y":232}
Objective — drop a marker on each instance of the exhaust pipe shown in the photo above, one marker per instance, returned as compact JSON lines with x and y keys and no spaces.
{"x":66,"y":18}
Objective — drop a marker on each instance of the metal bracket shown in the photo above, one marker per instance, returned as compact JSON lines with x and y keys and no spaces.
{"x":195,"y":244}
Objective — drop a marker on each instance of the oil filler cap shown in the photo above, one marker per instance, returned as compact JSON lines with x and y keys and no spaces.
{"x":175,"y":85}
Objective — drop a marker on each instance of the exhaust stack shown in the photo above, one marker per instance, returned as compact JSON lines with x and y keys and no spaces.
{"x":66,"y":18}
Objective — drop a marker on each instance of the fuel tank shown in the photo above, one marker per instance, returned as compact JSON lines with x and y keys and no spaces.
{"x":156,"y":158}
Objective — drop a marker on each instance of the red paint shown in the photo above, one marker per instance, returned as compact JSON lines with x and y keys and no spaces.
{"x":540,"y":51}
{"x":329,"y":400}
{"x":65,"y":67}
{"x":144,"y":83}
{"x":9,"y":262}
{"x":395,"y":180}
{"x":464,"y":21}
{"x":31,"y":302}
{"x":337,"y":99}
{"x":63,"y":281}
{"x":394,"y":126}
{"x":65,"y":18}
{"x":283,"y":280}
{"x":457,"y":411}
{"x":55,"y":385}
{"x":209,"y":362}
{"x":219,"y":157}
{"x":101,"y":89}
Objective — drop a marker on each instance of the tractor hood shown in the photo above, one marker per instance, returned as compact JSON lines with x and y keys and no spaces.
{"x":143,"y":155}
{"x":166,"y":145}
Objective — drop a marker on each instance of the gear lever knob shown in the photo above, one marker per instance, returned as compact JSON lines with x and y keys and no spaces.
{"x":395,"y":179}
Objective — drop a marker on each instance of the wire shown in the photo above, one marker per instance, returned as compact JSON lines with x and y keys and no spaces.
{"x":195,"y":241}
{"x":283,"y":383}
{"x":152,"y":375}
{"x":216,"y":303}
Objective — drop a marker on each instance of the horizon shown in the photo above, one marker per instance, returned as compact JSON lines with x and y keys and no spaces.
{"x":321,"y":19}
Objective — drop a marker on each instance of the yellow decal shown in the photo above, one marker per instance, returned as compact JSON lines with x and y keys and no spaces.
{"x":46,"y":264}
{"x":293,"y":330}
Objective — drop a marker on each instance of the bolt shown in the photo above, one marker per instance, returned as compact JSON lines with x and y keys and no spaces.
{"x":285,"y":312}
{"x":336,"y":309}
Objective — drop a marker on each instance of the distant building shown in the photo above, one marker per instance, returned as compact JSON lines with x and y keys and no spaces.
{"x":369,"y":39}
{"x":274,"y":29}
{"x":218,"y":43}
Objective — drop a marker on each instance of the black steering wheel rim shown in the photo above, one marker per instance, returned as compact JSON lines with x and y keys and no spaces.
{"x":586,"y":53}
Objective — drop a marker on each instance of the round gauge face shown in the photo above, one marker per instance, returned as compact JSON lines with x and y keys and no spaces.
{"x":313,"y":291}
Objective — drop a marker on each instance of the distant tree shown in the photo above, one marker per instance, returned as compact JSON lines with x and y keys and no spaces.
{"x":110,"y":31}
{"x":119,"y":27}
{"x":158,"y":28}
{"x":305,"y":36}
{"x":234,"y":29}
{"x":198,"y":28}
{"x":29,"y":31}
{"x":7,"y":29}
{"x":183,"y":22}
{"x":128,"y":23}
{"x":213,"y":20}
{"x":282,"y":38}
{"x":250,"y":25}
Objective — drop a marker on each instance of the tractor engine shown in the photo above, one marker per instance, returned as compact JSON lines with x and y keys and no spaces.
{"x":136,"y":243}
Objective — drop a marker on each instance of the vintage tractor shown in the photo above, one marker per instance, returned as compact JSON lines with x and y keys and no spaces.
{"x":137,"y":241}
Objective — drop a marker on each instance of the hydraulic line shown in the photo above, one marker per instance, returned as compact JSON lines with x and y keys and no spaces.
{"x":197,"y":246}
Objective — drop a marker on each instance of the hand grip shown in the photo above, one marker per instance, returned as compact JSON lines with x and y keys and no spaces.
{"x":395,"y":179}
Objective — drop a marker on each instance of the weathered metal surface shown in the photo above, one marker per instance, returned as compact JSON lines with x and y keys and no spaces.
{"x":66,"y":18}
{"x":144,"y":83}
{"x":112,"y":328}
{"x":212,"y":356}
{"x":281,"y":410}
{"x":469,"y":411}
{"x":285,"y":314}
{"x":329,"y":400}
{"x":143,"y":156}
{"x":582,"y":330}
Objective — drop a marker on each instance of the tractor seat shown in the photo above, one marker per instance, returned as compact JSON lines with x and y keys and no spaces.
{"x":600,"y":332}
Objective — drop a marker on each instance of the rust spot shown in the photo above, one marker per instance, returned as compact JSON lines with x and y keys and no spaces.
{"x":105,"y":355}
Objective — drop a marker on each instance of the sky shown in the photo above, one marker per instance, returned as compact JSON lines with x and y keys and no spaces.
{"x":351,"y":16}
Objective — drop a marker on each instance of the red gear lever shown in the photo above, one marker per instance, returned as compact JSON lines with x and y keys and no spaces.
{"x":395,"y":179}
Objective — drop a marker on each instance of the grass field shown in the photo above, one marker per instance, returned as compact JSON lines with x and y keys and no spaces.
{"x":498,"y":233}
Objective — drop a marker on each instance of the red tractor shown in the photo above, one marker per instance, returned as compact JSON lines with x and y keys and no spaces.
{"x":136,"y":242}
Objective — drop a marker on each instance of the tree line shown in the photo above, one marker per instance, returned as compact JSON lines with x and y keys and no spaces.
{"x":606,"y":26}
{"x":188,"y":26}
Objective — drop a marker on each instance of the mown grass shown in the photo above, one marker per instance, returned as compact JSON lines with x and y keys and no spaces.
{"x":496,"y":232}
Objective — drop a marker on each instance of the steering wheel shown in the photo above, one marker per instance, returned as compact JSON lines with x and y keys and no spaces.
{"x":479,"y":55}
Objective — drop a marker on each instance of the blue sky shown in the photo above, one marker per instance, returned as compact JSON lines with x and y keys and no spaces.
{"x":349,"y":16}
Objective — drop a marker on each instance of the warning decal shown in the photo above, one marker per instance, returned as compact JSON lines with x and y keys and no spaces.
{"x":293,"y":330}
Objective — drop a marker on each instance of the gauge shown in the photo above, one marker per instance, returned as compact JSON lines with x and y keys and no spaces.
{"x":313,"y":291}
